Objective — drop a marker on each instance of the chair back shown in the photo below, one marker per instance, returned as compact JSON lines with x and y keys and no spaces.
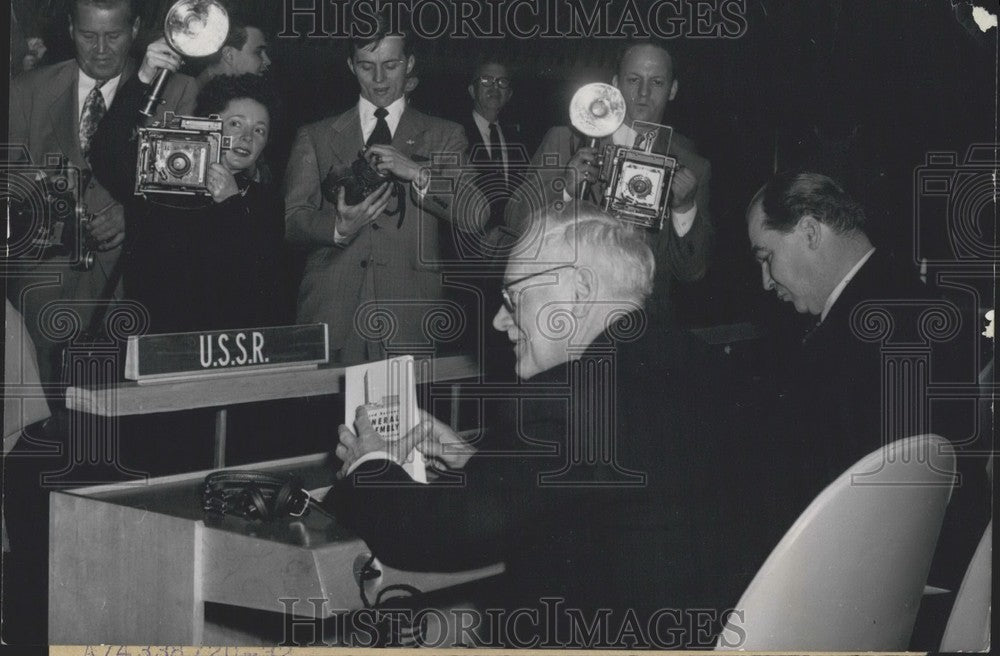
{"x":849,"y":574}
{"x":968,"y":627}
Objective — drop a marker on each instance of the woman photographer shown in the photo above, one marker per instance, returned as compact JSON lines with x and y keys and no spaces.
{"x":199,"y":262}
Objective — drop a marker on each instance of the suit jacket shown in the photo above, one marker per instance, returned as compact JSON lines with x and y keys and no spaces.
{"x":490,"y":178}
{"x":45,"y":117}
{"x":682,"y":258}
{"x":650,"y":529}
{"x":396,"y":265}
{"x":834,"y":405}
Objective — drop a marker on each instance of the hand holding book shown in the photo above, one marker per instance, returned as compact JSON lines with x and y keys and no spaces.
{"x":433,"y":438}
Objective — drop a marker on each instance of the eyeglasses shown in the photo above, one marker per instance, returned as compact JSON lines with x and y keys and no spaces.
{"x":505,"y":293}
{"x":489,"y":80}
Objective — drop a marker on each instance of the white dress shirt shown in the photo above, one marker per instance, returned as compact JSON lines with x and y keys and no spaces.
{"x":84,"y":86}
{"x":484,"y":131}
{"x":366,"y":111}
{"x":838,"y":290}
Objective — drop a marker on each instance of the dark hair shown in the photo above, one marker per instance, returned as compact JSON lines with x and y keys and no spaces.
{"x":787,"y":197}
{"x":384,"y":28}
{"x":222,"y":89}
{"x":239,"y":21}
{"x":656,"y":43}
{"x":74,"y":5}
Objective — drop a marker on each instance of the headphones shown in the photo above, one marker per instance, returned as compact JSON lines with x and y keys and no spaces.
{"x":255,"y":495}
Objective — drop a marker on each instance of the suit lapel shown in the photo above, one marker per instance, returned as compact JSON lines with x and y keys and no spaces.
{"x":347,"y":141}
{"x":409,"y":128}
{"x":472,"y":131}
{"x":65,"y":113}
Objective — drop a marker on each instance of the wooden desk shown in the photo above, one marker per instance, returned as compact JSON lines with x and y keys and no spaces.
{"x":135,"y":564}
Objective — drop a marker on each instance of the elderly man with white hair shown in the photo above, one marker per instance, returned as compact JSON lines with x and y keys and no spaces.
{"x":607,"y":509}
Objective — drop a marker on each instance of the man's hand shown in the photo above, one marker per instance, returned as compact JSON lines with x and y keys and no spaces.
{"x":158,"y":55}
{"x":36,"y":50}
{"x":433,"y":438}
{"x":387,"y":159}
{"x":351,"y":218}
{"x":220,"y":182}
{"x":439,"y":442}
{"x":583,"y":165}
{"x":683,"y":189}
{"x":107,"y":229}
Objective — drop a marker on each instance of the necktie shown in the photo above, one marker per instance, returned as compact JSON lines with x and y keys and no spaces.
{"x":93,"y":111}
{"x":381,"y":134}
{"x":495,"y":154}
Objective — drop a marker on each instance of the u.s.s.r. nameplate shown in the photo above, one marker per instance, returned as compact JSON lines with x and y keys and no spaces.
{"x":187,"y":356}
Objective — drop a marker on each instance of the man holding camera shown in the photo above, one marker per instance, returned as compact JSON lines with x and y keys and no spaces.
{"x":375,"y":255}
{"x":55,"y":110}
{"x":645,"y":76}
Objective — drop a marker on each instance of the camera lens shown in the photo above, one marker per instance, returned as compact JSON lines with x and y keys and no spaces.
{"x":179,"y":163}
{"x":640,"y":186}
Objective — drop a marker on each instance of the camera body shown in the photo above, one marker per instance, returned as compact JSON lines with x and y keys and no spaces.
{"x":45,"y":212}
{"x":637,"y":185}
{"x":174,"y":154}
{"x":359,"y":180}
{"x":637,"y":180}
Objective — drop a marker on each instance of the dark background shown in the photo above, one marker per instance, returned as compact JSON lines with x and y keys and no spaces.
{"x":859,"y":89}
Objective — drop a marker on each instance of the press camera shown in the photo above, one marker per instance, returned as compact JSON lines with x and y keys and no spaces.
{"x":637,"y":180}
{"x":359,"y":180}
{"x":174,"y":154}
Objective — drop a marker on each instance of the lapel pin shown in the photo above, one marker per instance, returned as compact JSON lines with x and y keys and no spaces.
{"x":410,"y":142}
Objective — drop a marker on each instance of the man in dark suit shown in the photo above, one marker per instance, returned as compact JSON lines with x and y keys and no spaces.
{"x":608,"y":496}
{"x":54,"y":111}
{"x":372,"y":268}
{"x":490,"y":140}
{"x":859,"y":378}
{"x":645,"y":76}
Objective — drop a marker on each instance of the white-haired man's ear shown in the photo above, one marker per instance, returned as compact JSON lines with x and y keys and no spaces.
{"x":585,"y":288}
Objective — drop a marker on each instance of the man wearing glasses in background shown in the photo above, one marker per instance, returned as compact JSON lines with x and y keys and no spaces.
{"x":489,"y":139}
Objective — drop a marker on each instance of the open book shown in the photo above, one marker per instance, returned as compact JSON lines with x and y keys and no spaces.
{"x":389,"y":389}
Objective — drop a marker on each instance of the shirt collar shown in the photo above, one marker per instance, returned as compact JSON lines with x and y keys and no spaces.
{"x":838,"y":290}
{"x":86,"y":83}
{"x":367,"y":111}
{"x":482,"y":123}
